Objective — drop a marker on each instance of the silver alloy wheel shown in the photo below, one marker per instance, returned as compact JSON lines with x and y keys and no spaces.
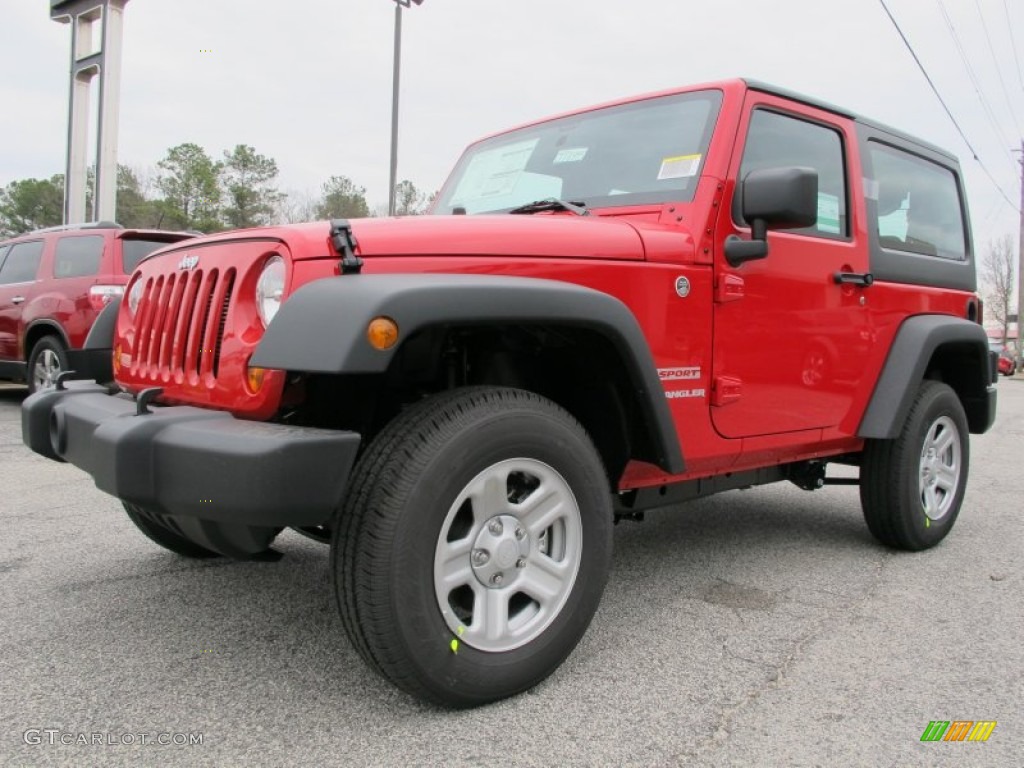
{"x":507,"y":555}
{"x":941,"y":467}
{"x":46,"y":370}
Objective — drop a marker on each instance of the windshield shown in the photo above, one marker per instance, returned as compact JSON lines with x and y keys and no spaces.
{"x":645,"y":152}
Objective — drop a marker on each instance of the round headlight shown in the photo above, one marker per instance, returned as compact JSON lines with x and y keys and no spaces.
{"x":270,"y":289}
{"x":135,"y":296}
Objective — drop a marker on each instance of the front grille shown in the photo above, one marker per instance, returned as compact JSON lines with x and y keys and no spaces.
{"x":182,"y":317}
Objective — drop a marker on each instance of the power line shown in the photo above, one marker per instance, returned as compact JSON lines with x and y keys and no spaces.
{"x":942,"y":101}
{"x":985,"y":105}
{"x":1013,"y":45}
{"x":999,"y":70}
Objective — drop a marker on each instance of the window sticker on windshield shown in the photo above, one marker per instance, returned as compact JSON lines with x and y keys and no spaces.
{"x":573,"y":155}
{"x":828,"y":214}
{"x":494,"y":172}
{"x":679,"y":167}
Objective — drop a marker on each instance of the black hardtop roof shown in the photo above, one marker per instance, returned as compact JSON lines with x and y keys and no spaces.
{"x":758,"y":85}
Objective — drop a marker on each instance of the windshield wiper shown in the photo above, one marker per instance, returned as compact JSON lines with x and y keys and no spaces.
{"x":553,"y":204}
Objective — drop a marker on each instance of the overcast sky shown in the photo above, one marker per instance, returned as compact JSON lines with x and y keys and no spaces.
{"x":308,"y":82}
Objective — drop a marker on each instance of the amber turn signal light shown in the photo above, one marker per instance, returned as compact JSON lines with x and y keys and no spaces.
{"x":382,"y":333}
{"x":254,"y":379}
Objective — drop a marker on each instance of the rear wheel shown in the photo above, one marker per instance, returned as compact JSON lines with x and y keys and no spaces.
{"x":47,"y":361}
{"x":162,"y":534}
{"x":912,"y":487}
{"x":474,"y":545}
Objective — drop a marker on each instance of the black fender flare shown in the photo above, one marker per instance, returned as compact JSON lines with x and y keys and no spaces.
{"x":95,"y":360}
{"x":101,"y":335}
{"x":917,"y":341}
{"x":321,"y":328}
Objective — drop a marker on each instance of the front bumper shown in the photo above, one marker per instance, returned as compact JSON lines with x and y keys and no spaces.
{"x":193,"y":462}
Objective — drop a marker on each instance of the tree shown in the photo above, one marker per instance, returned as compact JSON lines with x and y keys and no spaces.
{"x":997,"y":274}
{"x":409,"y":201}
{"x":135,"y":208}
{"x":31,"y":204}
{"x":342,"y":199}
{"x":191,"y":189}
{"x":248,"y":187}
{"x":296,"y":207}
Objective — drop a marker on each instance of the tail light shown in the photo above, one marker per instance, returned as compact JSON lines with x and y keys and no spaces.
{"x":101,"y":295}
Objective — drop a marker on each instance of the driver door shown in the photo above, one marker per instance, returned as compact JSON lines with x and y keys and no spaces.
{"x":790,"y":342}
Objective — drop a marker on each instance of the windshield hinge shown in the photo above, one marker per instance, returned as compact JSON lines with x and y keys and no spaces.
{"x":345,"y":245}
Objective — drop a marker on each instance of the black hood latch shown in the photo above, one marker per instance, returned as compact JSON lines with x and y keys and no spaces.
{"x":345,"y":245}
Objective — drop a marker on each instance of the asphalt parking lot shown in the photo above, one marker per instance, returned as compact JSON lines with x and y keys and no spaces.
{"x":755,"y":628}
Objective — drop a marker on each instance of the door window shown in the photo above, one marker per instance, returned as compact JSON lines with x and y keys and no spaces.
{"x":778,"y":141}
{"x":22,"y":263}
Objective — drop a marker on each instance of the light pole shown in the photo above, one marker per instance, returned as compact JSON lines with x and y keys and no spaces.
{"x":399,"y":4}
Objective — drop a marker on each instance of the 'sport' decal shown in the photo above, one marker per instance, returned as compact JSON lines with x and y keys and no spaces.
{"x":678,"y":374}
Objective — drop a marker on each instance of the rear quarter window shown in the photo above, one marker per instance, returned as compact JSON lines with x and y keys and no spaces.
{"x":918,"y":205}
{"x":918,"y":229}
{"x":78,"y":256}
{"x":134,"y":251}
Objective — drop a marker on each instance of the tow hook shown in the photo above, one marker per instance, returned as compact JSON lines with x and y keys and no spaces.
{"x":144,"y":398}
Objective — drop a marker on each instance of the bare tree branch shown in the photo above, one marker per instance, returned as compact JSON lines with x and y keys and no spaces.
{"x":998,"y":280}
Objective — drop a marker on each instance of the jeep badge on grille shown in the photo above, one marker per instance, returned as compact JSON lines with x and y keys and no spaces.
{"x":189,"y":262}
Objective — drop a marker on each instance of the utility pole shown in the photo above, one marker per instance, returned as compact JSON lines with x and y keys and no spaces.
{"x":399,"y":5}
{"x":1020,"y":267}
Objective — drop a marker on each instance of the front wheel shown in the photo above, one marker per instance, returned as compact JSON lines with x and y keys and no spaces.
{"x":912,"y":487}
{"x":474,"y":546}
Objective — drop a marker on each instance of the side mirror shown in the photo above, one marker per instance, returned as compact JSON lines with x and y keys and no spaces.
{"x":773,"y":198}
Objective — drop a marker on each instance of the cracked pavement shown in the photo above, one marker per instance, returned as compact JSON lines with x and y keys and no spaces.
{"x":754,"y":628}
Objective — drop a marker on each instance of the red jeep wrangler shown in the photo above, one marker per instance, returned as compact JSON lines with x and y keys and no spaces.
{"x":616,"y":309}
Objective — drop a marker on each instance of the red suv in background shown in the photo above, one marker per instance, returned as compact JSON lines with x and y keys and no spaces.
{"x":53,"y":284}
{"x":1007,"y":365}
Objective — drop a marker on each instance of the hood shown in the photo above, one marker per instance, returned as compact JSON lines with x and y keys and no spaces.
{"x":502,"y":236}
{"x":540,"y":235}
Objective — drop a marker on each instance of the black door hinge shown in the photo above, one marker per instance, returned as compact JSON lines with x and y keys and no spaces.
{"x":345,"y":245}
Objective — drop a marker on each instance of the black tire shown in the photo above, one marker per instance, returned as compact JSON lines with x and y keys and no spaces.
{"x":48,"y":358}
{"x":910,"y":493}
{"x":390,"y":535}
{"x":164,"y":536}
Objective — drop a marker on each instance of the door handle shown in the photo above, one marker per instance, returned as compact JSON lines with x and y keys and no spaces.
{"x":17,"y":299}
{"x":853,"y":278}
